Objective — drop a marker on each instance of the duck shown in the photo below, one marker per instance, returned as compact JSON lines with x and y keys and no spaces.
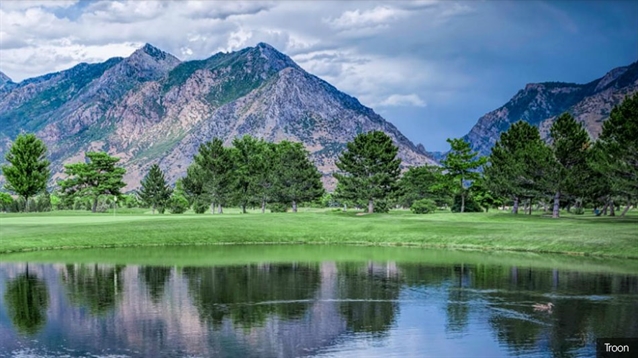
{"x":543,"y":307}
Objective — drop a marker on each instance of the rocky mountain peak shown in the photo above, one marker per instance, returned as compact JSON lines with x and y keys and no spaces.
{"x":276,"y":60}
{"x":610,"y":76}
{"x":4,"y":78}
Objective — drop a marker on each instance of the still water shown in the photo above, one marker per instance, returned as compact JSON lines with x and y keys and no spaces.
{"x":362,"y":304}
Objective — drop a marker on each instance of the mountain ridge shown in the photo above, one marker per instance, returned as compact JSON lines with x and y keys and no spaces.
{"x":151,"y":108}
{"x":540,"y":103}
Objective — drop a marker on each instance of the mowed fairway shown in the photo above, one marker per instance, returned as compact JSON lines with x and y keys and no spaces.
{"x":580,"y":235}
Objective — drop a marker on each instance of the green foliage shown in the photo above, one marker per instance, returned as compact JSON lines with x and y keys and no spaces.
{"x":369,"y":169}
{"x":616,"y":155}
{"x":98,"y":177}
{"x":461,"y":166}
{"x":423,"y":182}
{"x":247,"y":154}
{"x":154,"y":190}
{"x":28,"y":169}
{"x":423,"y":206}
{"x":570,"y":144}
{"x":6,"y":202}
{"x":471,"y":205}
{"x":211,"y":176}
{"x":43,"y":202}
{"x":297,"y":179}
{"x":520,"y":164}
{"x":178,"y":204}
{"x":278,"y":207}
{"x":200,"y":205}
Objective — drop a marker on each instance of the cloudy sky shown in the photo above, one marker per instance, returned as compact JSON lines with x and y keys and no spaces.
{"x":430,"y":67}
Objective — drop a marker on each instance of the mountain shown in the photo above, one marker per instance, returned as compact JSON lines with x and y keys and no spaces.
{"x":540,"y":103}
{"x":152,"y":108}
{"x":4,"y":79}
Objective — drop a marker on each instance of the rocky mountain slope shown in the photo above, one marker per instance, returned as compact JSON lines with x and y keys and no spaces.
{"x":152,"y":108}
{"x":540,"y":103}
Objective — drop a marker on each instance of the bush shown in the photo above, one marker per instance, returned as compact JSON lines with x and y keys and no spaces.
{"x":102,"y":205}
{"x":6,"y":202}
{"x":200,"y":206}
{"x":278,"y":207}
{"x":381,"y":206}
{"x":471,"y":206}
{"x":43,"y":202}
{"x":178,"y":204}
{"x":423,"y":206}
{"x":579,"y":210}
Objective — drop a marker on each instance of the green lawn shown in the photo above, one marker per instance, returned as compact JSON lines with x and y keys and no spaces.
{"x":580,"y":235}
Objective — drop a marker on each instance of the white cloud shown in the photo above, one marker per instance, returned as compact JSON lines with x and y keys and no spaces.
{"x":26,"y":4}
{"x":397,"y":100}
{"x":379,"y":16}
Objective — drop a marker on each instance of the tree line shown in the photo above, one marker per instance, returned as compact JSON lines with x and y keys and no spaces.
{"x":567,"y":171}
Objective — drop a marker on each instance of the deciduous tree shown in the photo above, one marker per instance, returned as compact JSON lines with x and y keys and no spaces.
{"x":28,"y":169}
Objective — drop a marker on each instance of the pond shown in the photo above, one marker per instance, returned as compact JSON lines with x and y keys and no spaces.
{"x":319,"y":301}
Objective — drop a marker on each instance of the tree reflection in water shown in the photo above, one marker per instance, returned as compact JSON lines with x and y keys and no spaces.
{"x":155,"y":278}
{"x":95,"y":287}
{"x":369,"y":295}
{"x":27,"y":300}
{"x":248,"y":294}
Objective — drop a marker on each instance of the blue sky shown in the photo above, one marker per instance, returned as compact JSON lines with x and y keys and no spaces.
{"x":430,"y":67}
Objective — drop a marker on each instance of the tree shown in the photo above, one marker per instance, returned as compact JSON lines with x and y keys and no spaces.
{"x":154,"y":190}
{"x":369,"y":169}
{"x":97,"y":177}
{"x":460,"y":166}
{"x":215,"y":165}
{"x":248,"y":166}
{"x":570,"y":143}
{"x":297,"y":178}
{"x":617,"y":149}
{"x":519,"y":165}
{"x":28,"y":169}
{"x":423,"y":182}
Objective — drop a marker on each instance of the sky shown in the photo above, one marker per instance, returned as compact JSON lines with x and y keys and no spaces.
{"x":430,"y":67}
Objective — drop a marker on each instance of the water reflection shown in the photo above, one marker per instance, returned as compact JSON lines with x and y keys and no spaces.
{"x":26,"y":300}
{"x":95,"y":287}
{"x":302,"y":309}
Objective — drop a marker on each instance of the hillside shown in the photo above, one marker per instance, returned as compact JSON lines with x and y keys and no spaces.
{"x":540,"y":103}
{"x":152,"y":108}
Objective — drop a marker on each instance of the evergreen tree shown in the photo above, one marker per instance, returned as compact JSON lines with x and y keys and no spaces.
{"x":28,"y":169}
{"x":519,"y":165}
{"x":154,"y":190}
{"x":97,"y":177}
{"x":570,"y":144}
{"x":369,"y":169}
{"x":216,"y":164}
{"x":460,"y":166}
{"x":617,"y":152}
{"x":423,"y":182}
{"x":248,"y":165}
{"x":297,"y":179}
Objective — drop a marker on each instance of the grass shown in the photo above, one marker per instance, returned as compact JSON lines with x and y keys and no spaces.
{"x":576,"y":235}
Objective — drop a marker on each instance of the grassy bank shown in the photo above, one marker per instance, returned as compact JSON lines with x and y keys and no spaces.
{"x":579,"y":235}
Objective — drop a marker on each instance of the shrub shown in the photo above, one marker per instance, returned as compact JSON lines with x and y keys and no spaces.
{"x":381,"y":206}
{"x":200,"y":206}
{"x":579,"y":210}
{"x":5,"y":202}
{"x":43,"y":202}
{"x":278,"y":207}
{"x":423,"y":206}
{"x":178,"y":204}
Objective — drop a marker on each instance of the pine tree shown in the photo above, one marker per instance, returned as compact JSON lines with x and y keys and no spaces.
{"x":297,"y":178}
{"x":617,"y":150}
{"x":97,"y":177}
{"x":154,"y":190}
{"x":369,"y":169}
{"x":460,"y":166}
{"x":424,"y":182}
{"x":248,"y":165}
{"x":570,"y":144}
{"x":28,"y":170}
{"x":519,"y":165}
{"x":216,"y":172}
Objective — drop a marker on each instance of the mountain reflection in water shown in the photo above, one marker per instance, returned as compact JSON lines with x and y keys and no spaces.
{"x":310,"y":309}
